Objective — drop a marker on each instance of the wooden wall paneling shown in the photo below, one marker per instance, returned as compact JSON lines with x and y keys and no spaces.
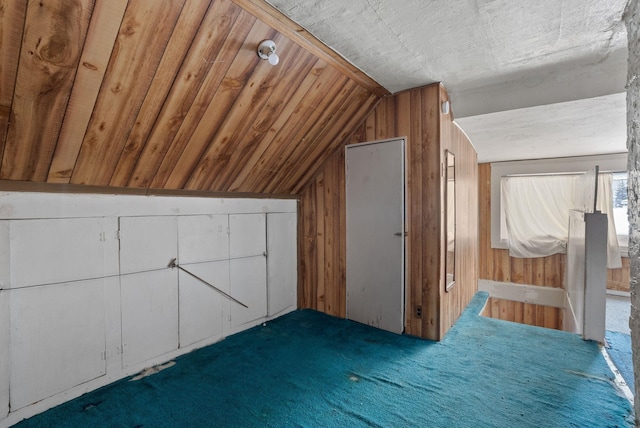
{"x":12,"y":20}
{"x":308,"y":249}
{"x":141,"y":43}
{"x":318,"y":143}
{"x":264,"y":154}
{"x":316,"y":111}
{"x":618,"y":279}
{"x":103,"y":30}
{"x":415,"y":115}
{"x":321,"y":241}
{"x":295,"y":66}
{"x":484,"y":210}
{"x":416,"y":239}
{"x":336,"y":133}
{"x":331,"y":228}
{"x":431,"y":219}
{"x":309,"y":103}
{"x":370,"y":128}
{"x":239,"y":119}
{"x":340,"y":254}
{"x":538,"y":279}
{"x":5,"y":112}
{"x":454,"y":301}
{"x":184,"y":105}
{"x":12,"y":17}
{"x":170,"y":71}
{"x":497,"y":265}
{"x":184,"y":139}
{"x":51,"y":46}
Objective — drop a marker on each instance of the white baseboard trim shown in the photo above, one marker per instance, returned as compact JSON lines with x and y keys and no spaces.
{"x":525,"y":293}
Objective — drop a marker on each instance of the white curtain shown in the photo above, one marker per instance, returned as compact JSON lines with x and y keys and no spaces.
{"x":536,"y":210}
{"x":604,"y":204}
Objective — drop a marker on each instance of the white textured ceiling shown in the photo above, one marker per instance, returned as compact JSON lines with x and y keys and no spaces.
{"x":498,"y":59}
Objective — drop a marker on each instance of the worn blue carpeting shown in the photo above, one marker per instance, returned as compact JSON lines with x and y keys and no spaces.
{"x":309,"y":369}
{"x":619,"y":349}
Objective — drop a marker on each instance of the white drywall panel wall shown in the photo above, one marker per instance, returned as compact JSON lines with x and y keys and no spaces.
{"x":281,"y":262}
{"x":49,"y":251}
{"x":57,"y":339}
{"x":203,"y":238}
{"x":248,"y":284}
{"x":145,"y":319}
{"x":4,"y":319}
{"x":147,"y":243}
{"x":573,"y":317}
{"x":4,"y":354}
{"x":17,"y":205}
{"x":248,"y":235}
{"x":203,"y":309}
{"x":5,"y":254}
{"x":149,"y":315}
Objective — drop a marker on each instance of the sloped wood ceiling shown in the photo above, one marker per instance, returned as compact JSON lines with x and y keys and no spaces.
{"x":169,"y":94}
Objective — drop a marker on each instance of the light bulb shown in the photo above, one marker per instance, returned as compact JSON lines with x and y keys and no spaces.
{"x":274,"y":59}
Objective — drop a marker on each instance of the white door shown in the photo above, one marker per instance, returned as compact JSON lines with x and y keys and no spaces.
{"x":281,"y":262}
{"x":375,"y":234}
{"x":202,"y":309}
{"x":57,"y":339}
{"x":149,"y":290}
{"x":248,"y":268}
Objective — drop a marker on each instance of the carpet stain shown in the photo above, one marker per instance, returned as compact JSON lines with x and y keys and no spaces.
{"x":152,"y":370}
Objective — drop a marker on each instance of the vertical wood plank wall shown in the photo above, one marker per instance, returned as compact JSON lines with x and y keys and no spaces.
{"x":497,"y":265}
{"x":453,"y":302}
{"x":414,"y":114}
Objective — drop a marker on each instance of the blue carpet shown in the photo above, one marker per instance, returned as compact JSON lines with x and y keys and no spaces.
{"x":619,"y":349}
{"x":308,"y":369}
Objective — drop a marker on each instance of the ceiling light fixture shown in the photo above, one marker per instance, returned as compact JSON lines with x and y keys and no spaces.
{"x":267,"y":50}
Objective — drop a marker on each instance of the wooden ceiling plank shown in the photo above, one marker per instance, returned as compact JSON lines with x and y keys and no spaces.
{"x":5,"y":112}
{"x":12,"y":17}
{"x":52,"y":43}
{"x":298,"y":34}
{"x":322,"y":139}
{"x":231,"y":69}
{"x":206,"y":64}
{"x":306,"y":111}
{"x":300,"y":144}
{"x":282,"y":121}
{"x":103,"y":30}
{"x":190,"y":28}
{"x":337,"y":137}
{"x":305,"y":119}
{"x":239,"y":117}
{"x":138,"y":50}
{"x":295,"y":64}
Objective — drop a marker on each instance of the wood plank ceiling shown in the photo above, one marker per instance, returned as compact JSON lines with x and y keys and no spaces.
{"x":170,"y":94}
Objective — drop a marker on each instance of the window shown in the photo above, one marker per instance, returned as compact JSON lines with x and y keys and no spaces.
{"x":536,"y":212}
{"x":620,"y":209}
{"x":616,"y":162}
